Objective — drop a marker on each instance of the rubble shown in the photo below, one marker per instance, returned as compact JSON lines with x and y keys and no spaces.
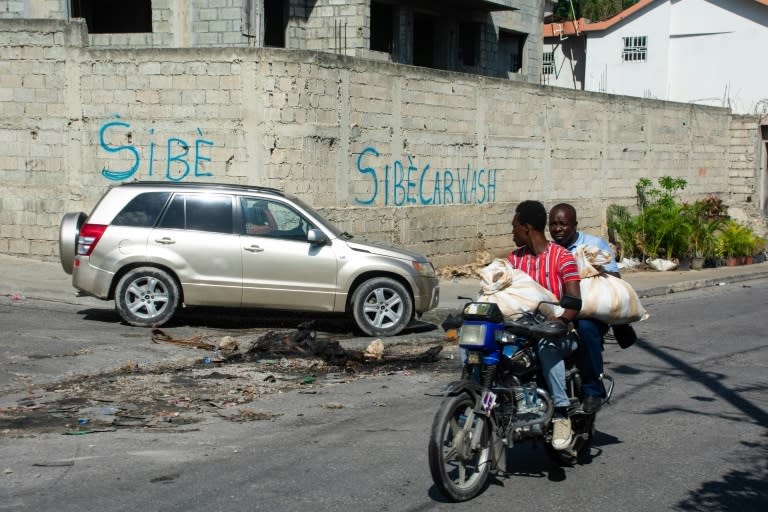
{"x":482,"y":259}
{"x":226,"y":382}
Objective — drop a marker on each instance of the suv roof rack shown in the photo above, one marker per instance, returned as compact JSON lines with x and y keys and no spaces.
{"x":197,"y":184}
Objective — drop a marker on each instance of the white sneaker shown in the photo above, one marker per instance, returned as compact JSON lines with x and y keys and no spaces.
{"x":561,"y":433}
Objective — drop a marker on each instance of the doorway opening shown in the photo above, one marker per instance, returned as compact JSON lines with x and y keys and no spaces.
{"x":382,"y":27}
{"x":424,"y":41}
{"x":275,"y":23}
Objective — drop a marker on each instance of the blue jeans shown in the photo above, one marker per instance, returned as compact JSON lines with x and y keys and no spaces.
{"x":589,"y":355}
{"x":553,"y":369}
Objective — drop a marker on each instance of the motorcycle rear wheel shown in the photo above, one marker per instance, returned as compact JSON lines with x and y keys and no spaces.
{"x":459,"y":471}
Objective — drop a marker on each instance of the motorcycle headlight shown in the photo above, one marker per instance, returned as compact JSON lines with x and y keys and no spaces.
{"x":473,"y":335}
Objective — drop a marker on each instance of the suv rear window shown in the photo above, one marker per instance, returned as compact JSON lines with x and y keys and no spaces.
{"x":142,"y":211}
{"x":199,"y":213}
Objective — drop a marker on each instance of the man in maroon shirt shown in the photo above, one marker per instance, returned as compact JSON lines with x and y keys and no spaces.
{"x":554,"y":268}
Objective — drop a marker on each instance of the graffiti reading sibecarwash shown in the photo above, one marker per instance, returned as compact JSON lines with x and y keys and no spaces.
{"x":405,"y":183}
{"x":181,"y":157}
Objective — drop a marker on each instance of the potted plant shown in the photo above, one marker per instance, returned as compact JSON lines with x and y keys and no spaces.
{"x":660,"y":232}
{"x":737,"y":240}
{"x":623,"y":229}
{"x":756,"y":248}
{"x":702,"y":226}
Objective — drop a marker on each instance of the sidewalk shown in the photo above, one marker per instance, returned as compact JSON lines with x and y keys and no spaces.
{"x":45,"y":280}
{"x":646,"y":283}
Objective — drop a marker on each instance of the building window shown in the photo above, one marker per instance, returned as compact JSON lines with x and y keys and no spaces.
{"x":548,"y":63}
{"x":114,"y":16}
{"x":469,"y":41}
{"x":635,"y":49}
{"x":512,"y":48}
{"x":382,"y":27}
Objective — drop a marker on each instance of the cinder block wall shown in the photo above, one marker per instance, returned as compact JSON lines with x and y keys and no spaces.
{"x":433,"y":160}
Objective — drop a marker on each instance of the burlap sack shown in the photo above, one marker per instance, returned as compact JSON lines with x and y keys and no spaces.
{"x":605,"y":297}
{"x":514,"y":291}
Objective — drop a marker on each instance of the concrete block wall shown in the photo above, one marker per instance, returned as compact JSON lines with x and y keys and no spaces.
{"x":748,"y":183}
{"x":42,"y":9}
{"x":338,"y":25}
{"x":433,"y":160}
{"x":526,"y":19}
{"x":183,"y":24}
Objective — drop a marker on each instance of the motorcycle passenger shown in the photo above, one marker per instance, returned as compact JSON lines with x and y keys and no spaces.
{"x":553,"y":267}
{"x":589,"y":354}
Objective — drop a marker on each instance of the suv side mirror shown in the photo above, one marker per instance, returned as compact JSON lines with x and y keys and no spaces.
{"x":317,"y":237}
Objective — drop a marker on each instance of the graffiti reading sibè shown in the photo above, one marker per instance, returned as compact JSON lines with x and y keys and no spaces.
{"x":178,"y":162}
{"x":404,"y":183}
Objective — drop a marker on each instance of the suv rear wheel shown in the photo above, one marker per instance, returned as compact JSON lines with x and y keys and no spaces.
{"x":147,"y":297}
{"x":382,"y":307}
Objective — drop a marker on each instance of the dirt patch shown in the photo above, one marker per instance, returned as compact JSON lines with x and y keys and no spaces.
{"x":174,"y":398}
{"x":482,"y":259}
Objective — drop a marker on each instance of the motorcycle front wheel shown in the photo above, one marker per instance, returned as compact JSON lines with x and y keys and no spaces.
{"x":459,"y":449}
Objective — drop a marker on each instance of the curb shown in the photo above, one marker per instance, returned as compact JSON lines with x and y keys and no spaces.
{"x":698,"y":283}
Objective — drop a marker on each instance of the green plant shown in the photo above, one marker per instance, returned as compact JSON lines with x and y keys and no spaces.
{"x":660,"y":230}
{"x":665,"y":195}
{"x":737,"y":240}
{"x":703,"y":221}
{"x":758,"y":245}
{"x":656,"y":230}
{"x":624,"y":227}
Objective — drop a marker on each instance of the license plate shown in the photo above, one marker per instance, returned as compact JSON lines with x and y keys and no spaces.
{"x":473,"y":358}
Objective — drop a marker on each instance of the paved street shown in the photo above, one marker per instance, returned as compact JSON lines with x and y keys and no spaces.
{"x":685,"y":431}
{"x":82,"y":335}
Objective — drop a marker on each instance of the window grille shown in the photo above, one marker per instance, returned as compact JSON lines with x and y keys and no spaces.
{"x":635,"y":49}
{"x":548,"y":63}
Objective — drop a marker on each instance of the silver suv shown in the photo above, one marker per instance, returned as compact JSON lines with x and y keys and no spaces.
{"x":154,"y":246}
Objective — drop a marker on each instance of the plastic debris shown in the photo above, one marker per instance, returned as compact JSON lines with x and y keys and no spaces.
{"x":375,"y":350}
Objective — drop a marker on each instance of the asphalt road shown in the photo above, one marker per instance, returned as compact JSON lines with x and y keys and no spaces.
{"x":686,"y":430}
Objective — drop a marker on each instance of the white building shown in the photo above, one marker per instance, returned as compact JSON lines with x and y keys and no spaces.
{"x":697,"y":51}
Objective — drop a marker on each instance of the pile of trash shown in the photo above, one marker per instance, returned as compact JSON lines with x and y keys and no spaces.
{"x":226,"y":381}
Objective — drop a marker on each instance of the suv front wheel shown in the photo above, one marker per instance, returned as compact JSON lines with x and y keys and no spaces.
{"x":147,"y":297}
{"x":382,"y":307}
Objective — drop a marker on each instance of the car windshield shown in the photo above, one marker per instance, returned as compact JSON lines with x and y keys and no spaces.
{"x":319,"y":218}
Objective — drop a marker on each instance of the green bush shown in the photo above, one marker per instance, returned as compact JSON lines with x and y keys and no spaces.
{"x":661,"y":232}
{"x":666,"y":227}
{"x":738,"y":240}
{"x":704,"y":218}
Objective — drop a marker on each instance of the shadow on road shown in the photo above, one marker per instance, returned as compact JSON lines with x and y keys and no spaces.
{"x":237,"y":318}
{"x":742,"y":489}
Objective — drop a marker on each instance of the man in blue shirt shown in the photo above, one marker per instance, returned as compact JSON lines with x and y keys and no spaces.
{"x":589,"y":355}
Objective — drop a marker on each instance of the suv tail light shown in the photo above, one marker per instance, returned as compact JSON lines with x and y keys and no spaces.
{"x":88,"y":238}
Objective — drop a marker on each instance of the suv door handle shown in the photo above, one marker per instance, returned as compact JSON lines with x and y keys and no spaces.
{"x":254,"y":248}
{"x":165,"y":241}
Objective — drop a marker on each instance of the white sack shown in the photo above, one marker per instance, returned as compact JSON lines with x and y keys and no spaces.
{"x":603,"y":296}
{"x":662,"y":265}
{"x":514,"y":291}
{"x":629,"y":263}
{"x":591,"y":260}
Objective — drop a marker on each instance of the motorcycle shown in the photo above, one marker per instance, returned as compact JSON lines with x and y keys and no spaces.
{"x":501,"y":400}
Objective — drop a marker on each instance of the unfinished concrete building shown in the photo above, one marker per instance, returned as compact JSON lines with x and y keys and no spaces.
{"x":499,"y":38}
